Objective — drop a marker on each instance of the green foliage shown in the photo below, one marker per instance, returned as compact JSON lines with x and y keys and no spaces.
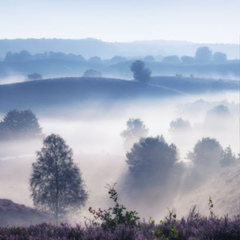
{"x":168,"y":231}
{"x":116,"y":215}
{"x":210,"y":207}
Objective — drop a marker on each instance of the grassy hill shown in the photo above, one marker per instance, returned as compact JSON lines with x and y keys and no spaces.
{"x":74,"y":90}
{"x":193,"y":85}
{"x":60,"y":91}
{"x":13,"y":214}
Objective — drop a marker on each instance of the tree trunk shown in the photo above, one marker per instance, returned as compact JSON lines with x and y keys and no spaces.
{"x":57,"y":194}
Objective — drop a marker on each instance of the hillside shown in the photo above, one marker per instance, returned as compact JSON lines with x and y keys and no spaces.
{"x":224,"y":191}
{"x":13,"y":214}
{"x":193,"y":85}
{"x":52,"y":92}
{"x":64,"y":91}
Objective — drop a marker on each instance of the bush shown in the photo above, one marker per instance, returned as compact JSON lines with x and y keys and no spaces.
{"x":118,"y":215}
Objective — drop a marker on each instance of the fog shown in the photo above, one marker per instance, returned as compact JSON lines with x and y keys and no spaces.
{"x":94,"y":134}
{"x":13,"y":78}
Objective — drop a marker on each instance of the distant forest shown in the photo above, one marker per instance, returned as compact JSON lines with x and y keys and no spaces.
{"x":204,"y":62}
{"x":93,"y":47}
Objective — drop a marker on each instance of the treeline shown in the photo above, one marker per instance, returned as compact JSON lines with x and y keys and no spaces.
{"x":24,"y":56}
{"x":203,"y":55}
{"x":203,"y":63}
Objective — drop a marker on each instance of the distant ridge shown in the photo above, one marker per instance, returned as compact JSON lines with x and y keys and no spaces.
{"x":93,"y":47}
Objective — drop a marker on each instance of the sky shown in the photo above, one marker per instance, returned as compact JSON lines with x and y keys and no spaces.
{"x":201,"y":21}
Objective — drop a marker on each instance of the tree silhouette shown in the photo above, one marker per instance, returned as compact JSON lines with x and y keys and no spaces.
{"x":19,"y":124}
{"x":207,"y":153}
{"x":187,"y":60}
{"x":228,"y":158}
{"x":179,"y":125}
{"x":34,"y":76}
{"x":56,"y":183}
{"x":171,"y":59}
{"x":151,"y":159}
{"x":140,"y":72}
{"x":135,"y":130}
{"x":92,"y":73}
{"x":219,"y":57}
{"x":154,"y":172}
{"x":203,"y":55}
{"x":206,"y":158}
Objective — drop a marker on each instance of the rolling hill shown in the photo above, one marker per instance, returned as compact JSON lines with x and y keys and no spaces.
{"x":64,"y":91}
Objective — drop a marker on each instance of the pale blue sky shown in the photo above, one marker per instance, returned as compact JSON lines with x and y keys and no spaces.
{"x":204,"y":21}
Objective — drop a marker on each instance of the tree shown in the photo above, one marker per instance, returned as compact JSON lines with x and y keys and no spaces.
{"x":171,"y":59}
{"x":19,"y":124}
{"x":179,"y":125}
{"x":206,"y":157}
{"x":34,"y":76}
{"x":95,"y":60}
{"x":219,"y":111}
{"x":135,"y":130}
{"x":140,"y":72}
{"x":207,"y":153}
{"x":219,"y":57}
{"x":151,"y":159}
{"x":56,"y":183}
{"x":187,"y":60}
{"x":117,"y":59}
{"x":153,"y":173}
{"x":149,"y":59}
{"x":203,"y":55}
{"x":92,"y":73}
{"x":228,"y":158}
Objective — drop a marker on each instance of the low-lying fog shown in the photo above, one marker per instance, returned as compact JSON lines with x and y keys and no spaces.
{"x":98,"y":147}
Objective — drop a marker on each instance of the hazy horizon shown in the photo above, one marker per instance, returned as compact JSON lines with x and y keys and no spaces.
{"x":122,"y":21}
{"x":130,"y":41}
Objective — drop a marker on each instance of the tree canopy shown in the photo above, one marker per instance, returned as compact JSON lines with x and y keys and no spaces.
{"x":179,"y":125}
{"x":228,"y":158}
{"x":140,"y":72}
{"x":203,"y":55}
{"x":34,"y":76}
{"x":219,"y":57}
{"x":136,"y":129}
{"x":207,"y":152}
{"x":19,"y":124}
{"x":56,"y":183}
{"x":171,"y":59}
{"x":151,"y":157}
{"x":92,"y":73}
